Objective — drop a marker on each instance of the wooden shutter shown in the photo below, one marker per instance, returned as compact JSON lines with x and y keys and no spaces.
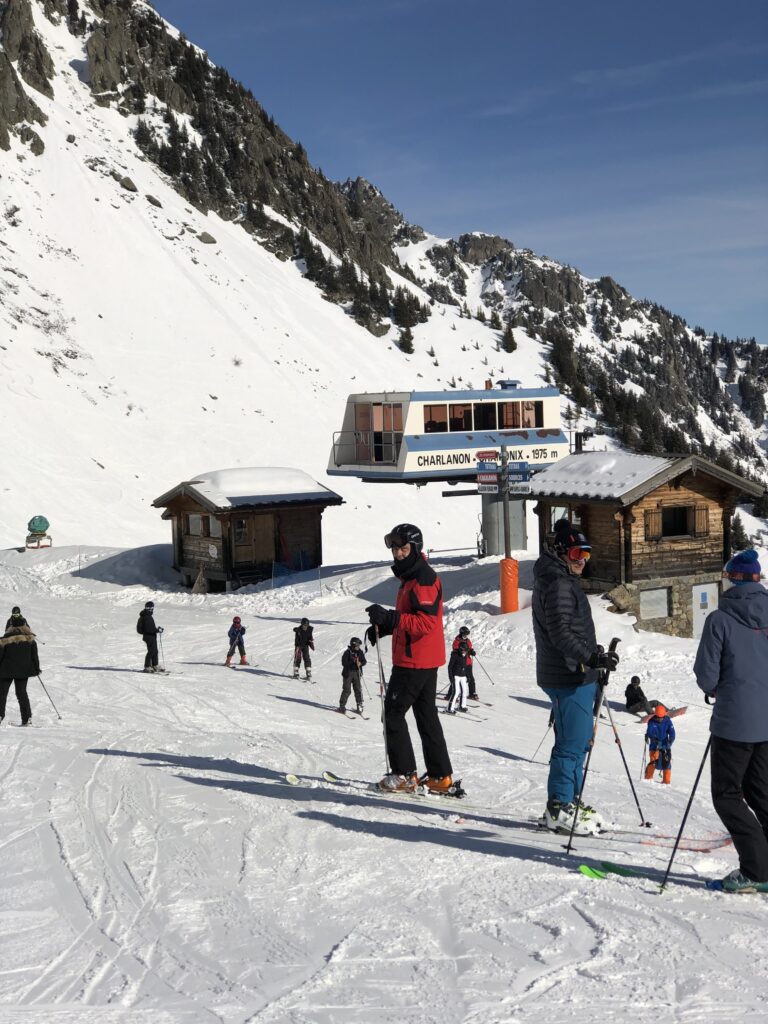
{"x":701,"y":521}
{"x":653,"y":524}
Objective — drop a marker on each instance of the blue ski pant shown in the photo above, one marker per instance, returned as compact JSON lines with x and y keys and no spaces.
{"x":573,"y":708}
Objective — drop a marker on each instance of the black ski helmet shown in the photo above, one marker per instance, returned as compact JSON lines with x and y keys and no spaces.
{"x":150,"y":604}
{"x":567,"y":536}
{"x":15,"y":610}
{"x":405,"y":533}
{"x":305,"y":622}
{"x":355,"y":642}
{"x":464,"y":631}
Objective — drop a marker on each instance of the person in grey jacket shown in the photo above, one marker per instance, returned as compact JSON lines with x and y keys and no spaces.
{"x":567,"y":660}
{"x":732,"y":665}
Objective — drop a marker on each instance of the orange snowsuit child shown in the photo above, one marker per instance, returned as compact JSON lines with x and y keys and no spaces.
{"x":660,"y":735}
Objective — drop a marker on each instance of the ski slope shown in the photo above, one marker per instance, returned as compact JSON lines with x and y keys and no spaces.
{"x":157,"y":867}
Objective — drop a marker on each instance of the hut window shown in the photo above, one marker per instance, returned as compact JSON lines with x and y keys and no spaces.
{"x":509,"y":415}
{"x":215,"y":527}
{"x":485,"y":415}
{"x":701,"y":517}
{"x":533,"y":414}
{"x":194,"y":525}
{"x":677,"y":521}
{"x":435,"y":419}
{"x":241,"y":531}
{"x":460,"y":416}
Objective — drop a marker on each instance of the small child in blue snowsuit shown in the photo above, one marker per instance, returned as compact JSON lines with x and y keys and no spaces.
{"x":236,"y":634}
{"x":660,"y":735}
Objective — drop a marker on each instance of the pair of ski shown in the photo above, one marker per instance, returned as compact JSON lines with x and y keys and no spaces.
{"x":607,"y":868}
{"x":352,"y":714}
{"x":455,"y":792}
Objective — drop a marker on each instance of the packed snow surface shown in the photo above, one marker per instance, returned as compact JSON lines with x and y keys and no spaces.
{"x":158,"y":868}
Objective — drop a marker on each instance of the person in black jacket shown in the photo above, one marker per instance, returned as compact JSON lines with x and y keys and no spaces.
{"x":16,"y":619}
{"x":18,"y":661}
{"x":303,"y":643}
{"x":149,"y":632}
{"x":637,"y":702}
{"x":567,"y":660}
{"x":352,"y":661}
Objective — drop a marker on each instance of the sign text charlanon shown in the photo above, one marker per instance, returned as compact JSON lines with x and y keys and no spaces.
{"x":445,"y":459}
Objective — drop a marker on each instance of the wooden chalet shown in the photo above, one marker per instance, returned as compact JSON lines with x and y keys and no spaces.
{"x":236,"y":526}
{"x":660,"y":530}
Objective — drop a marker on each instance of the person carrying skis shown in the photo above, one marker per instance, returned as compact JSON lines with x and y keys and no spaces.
{"x":418,"y":650}
{"x":303,"y":643}
{"x":636,"y":701}
{"x":460,"y":672}
{"x":660,"y":735}
{"x":352,"y":661}
{"x":567,"y":662}
{"x":16,"y":619}
{"x":236,"y":633}
{"x":18,"y":661}
{"x":149,"y":633}
{"x":732,"y":666}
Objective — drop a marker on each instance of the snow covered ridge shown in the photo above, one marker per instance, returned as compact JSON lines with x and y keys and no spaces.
{"x":142,"y":335}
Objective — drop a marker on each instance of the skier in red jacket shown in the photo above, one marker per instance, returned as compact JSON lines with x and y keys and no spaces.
{"x":418,"y":650}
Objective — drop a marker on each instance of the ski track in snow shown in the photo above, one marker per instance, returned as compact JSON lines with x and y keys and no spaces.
{"x":157,"y":866}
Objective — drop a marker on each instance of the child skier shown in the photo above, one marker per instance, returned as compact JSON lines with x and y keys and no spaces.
{"x":352,"y":661}
{"x":660,"y":736}
{"x":303,"y":644}
{"x":236,"y":634}
{"x":460,"y":672}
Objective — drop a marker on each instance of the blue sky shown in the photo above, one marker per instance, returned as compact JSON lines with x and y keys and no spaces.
{"x":622,"y":138}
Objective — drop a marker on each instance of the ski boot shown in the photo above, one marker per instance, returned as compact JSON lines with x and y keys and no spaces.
{"x":341,"y":709}
{"x":308,"y":676}
{"x":394,"y":783}
{"x":295,"y":673}
{"x":559,"y":818}
{"x":228,"y":662}
{"x":243,"y":660}
{"x":359,"y":709}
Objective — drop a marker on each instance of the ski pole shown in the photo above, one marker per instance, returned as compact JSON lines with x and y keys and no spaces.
{"x":643,"y":822}
{"x":288,"y":664}
{"x":645,"y":751}
{"x":362,"y":679}
{"x":602,"y":683}
{"x":162,"y":653}
{"x":685,"y":816}
{"x":49,"y":696}
{"x":484,"y":669}
{"x":549,"y":726}
{"x":382,"y":692}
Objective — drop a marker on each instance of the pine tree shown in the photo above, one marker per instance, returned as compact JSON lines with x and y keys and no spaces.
{"x":406,"y":341}
{"x":739,"y":539}
{"x":508,"y":342}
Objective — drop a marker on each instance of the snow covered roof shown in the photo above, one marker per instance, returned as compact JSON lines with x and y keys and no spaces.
{"x":222,"y":489}
{"x":624,"y":476}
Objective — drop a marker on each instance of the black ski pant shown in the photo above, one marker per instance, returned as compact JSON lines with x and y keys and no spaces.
{"x":415,"y":688}
{"x":348,"y":684}
{"x":298,"y":654}
{"x":21,"y":697}
{"x":740,"y":798}
{"x":643,"y":707}
{"x":236,"y":644}
{"x":150,"y":661}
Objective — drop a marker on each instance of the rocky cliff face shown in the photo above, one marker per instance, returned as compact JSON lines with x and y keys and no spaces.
{"x":633,"y":364}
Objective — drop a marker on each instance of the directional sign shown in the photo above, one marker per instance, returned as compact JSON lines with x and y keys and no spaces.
{"x":487,"y":478}
{"x":487,"y":488}
{"x":487,"y":455}
{"x":518,"y":467}
{"x":519,"y":489}
{"x":487,"y":467}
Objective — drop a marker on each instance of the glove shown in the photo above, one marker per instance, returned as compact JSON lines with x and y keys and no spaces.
{"x":384,"y":618}
{"x":312,"y":644}
{"x":605,"y":660}
{"x":370,"y":635}
{"x":160,"y":629}
{"x":471,"y":653}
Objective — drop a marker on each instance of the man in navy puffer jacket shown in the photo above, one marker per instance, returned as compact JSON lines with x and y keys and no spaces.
{"x":732,"y":665}
{"x":567,"y":660}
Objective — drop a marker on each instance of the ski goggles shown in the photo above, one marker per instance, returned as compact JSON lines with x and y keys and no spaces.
{"x":395,"y":542}
{"x":578,"y":554}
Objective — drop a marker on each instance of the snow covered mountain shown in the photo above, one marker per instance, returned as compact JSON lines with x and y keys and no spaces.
{"x":180,"y":290}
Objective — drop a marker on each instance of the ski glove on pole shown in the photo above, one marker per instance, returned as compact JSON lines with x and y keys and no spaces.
{"x":606,"y":660}
{"x":384,"y":618}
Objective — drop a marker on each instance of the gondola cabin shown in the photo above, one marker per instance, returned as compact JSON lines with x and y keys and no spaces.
{"x":420,"y":436}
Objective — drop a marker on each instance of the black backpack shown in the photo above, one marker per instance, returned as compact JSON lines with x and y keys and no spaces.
{"x":140,"y":625}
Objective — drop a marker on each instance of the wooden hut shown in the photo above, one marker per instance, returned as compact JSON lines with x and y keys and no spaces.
{"x":236,"y":526}
{"x":660,"y":530}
